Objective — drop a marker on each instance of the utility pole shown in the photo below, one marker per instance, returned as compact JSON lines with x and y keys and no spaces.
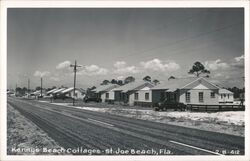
{"x":28,"y":88}
{"x":41,"y":86}
{"x":75,"y":69}
{"x":242,"y":95}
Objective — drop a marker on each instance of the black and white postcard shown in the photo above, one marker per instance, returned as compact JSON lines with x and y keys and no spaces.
{"x":116,"y":80}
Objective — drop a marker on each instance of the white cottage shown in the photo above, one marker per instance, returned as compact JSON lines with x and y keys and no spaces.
{"x":143,"y":97}
{"x":105,"y":92}
{"x":69,"y":92}
{"x":187,"y":91}
{"x":57,"y":92}
{"x":226,"y":96}
{"x":130,"y":93}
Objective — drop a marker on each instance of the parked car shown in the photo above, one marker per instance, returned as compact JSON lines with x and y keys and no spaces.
{"x":91,"y":99}
{"x":167,"y":104}
{"x":31,"y":96}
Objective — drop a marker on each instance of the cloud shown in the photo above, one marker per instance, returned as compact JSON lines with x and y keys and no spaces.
{"x":41,"y":74}
{"x":63,"y":65}
{"x":93,"y":70}
{"x":122,"y":68}
{"x":120,"y":64}
{"x":240,"y":58}
{"x":216,"y":64}
{"x":158,"y":65}
{"x":89,"y":70}
{"x":56,"y":79}
{"x":238,"y":62}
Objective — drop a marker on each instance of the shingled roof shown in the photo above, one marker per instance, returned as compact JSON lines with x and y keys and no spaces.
{"x":71,"y":89}
{"x":181,"y":83}
{"x":58,"y":90}
{"x":225,"y":91}
{"x":174,"y":83}
{"x":105,"y":88}
{"x":51,"y":90}
{"x":137,"y":85}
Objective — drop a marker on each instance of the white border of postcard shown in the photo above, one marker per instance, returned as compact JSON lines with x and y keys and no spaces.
{"x":116,"y":4}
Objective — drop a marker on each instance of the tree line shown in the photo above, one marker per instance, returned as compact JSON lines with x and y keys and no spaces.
{"x":198,"y":69}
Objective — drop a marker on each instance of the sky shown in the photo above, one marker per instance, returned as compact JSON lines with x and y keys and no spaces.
{"x":119,"y":42}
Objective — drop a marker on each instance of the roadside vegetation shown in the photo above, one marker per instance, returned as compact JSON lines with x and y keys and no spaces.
{"x":24,"y":134}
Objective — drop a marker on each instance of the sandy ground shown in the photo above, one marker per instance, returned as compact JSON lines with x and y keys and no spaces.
{"x":230,"y":122}
{"x":23,"y":134}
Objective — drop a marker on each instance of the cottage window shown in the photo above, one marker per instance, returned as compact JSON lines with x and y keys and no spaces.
{"x":146,"y":96}
{"x":228,"y":96}
{"x":107,"y":95}
{"x":201,"y":97}
{"x":221,"y":96}
{"x":187,"y":97}
{"x":212,"y":95}
{"x":136,"y":96}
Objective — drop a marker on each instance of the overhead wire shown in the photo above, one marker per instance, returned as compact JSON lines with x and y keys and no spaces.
{"x":182,"y":40}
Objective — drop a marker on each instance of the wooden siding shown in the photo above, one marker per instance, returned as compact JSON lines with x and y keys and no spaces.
{"x":226,"y":98}
{"x":194,"y":96}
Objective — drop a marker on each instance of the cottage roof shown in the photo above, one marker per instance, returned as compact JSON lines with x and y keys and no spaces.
{"x":137,"y":85}
{"x":224,"y":91}
{"x":71,"y":89}
{"x":58,"y":90}
{"x":68,"y":90}
{"x":174,"y":84}
{"x":182,"y":83}
{"x":38,"y":92}
{"x":51,"y":90}
{"x":105,"y":88}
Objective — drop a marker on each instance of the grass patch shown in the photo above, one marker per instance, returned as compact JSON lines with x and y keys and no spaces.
{"x":23,"y":134}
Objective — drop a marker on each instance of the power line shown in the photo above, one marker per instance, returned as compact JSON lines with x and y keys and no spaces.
{"x":187,"y":50}
{"x":185,"y":39}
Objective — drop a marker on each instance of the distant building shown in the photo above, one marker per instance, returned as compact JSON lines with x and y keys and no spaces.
{"x":38,"y":93}
{"x":57,"y":92}
{"x":69,"y":93}
{"x":105,"y":92}
{"x":226,"y":96}
{"x":143,"y":97}
{"x":49,"y":93}
{"x":187,"y":91}
{"x":10,"y":93}
{"x":130,"y":93}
